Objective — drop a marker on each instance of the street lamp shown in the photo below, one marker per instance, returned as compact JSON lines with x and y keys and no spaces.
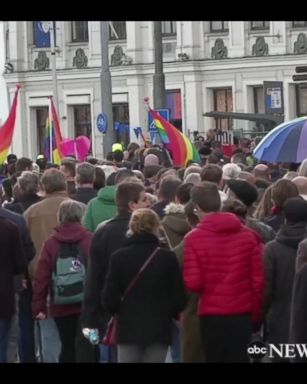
{"x":106,"y":88}
{"x":159,"y":78}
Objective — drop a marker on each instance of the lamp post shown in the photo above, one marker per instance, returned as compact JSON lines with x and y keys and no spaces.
{"x":53,"y":59}
{"x":106,"y":88}
{"x":159,"y":78}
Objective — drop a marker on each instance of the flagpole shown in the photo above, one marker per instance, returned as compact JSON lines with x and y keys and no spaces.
{"x":50,"y":131}
{"x":53,"y":57}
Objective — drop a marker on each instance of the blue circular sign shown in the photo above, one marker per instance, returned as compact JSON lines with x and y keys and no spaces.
{"x":102,"y":122}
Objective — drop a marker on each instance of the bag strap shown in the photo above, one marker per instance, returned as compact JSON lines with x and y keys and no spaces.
{"x":128,"y":289}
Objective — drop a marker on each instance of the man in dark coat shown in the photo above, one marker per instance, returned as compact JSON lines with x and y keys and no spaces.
{"x":12,"y":262}
{"x":167,"y":193}
{"x":26,"y":347}
{"x":28,"y":186}
{"x":85,"y":175}
{"x":248,"y":194}
{"x":107,"y":239}
{"x":280,"y":260}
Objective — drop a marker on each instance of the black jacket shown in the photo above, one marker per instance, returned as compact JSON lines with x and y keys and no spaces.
{"x":275,"y":221}
{"x":280,"y":259}
{"x":298,"y":328}
{"x":159,"y":208}
{"x":145,"y":316}
{"x":23,"y":203}
{"x":27,"y":243}
{"x":84,"y":195}
{"x":12,"y":263}
{"x":106,"y":240}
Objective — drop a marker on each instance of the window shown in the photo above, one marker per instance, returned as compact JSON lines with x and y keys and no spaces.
{"x":258,"y":99}
{"x":82,"y":120}
{"x":41,"y":118}
{"x":121,"y":119}
{"x":299,"y":24}
{"x":169,"y":28}
{"x":79,"y":31}
{"x":219,"y":26}
{"x":173,"y":103}
{"x":41,"y":34}
{"x":222,"y":98}
{"x":301,"y":99}
{"x":260,"y":25}
{"x":117,"y":30}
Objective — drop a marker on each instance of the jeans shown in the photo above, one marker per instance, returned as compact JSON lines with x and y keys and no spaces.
{"x":108,"y":354}
{"x":175,"y":347}
{"x":5,"y":325}
{"x":48,"y":340}
{"x":103,"y":353}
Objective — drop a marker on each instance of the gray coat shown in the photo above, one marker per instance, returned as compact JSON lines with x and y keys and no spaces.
{"x":280,"y":259}
{"x":298,"y":328}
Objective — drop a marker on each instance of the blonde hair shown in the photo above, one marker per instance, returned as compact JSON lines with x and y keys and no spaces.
{"x":143,"y":220}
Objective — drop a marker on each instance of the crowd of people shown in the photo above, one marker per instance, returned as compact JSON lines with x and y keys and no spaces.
{"x":192,"y":262}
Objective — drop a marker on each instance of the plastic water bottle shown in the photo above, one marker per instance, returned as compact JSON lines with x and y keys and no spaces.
{"x":91,"y":334}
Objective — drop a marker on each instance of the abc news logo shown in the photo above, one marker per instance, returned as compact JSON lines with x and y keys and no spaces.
{"x":257,"y":350}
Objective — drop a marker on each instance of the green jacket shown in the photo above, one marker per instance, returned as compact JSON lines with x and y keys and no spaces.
{"x":100,"y":208}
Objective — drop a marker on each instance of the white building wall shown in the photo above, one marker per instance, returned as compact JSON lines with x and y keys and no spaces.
{"x":196,"y":77}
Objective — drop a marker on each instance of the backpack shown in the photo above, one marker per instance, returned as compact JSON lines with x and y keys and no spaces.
{"x":69,"y":275}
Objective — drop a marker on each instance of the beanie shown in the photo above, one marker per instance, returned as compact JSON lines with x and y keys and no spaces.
{"x":295,"y":209}
{"x":244,"y":191}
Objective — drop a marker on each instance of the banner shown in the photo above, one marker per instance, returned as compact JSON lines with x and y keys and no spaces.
{"x":42,"y":34}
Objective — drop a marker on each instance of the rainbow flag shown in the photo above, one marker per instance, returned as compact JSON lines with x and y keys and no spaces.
{"x":175,"y":141}
{"x":7,"y":129}
{"x":53,"y":138}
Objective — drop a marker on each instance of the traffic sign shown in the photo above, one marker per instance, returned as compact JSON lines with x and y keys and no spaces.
{"x":102,"y":122}
{"x":151,"y":125}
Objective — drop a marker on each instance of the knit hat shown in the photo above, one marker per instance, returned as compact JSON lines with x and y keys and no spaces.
{"x":244,"y":191}
{"x":231,"y":171}
{"x":295,"y":209}
{"x":151,"y":159}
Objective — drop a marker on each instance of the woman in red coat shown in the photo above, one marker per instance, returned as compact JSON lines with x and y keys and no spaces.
{"x":70,"y":234}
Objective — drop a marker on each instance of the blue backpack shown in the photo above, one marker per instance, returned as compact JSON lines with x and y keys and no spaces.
{"x":69,"y":275}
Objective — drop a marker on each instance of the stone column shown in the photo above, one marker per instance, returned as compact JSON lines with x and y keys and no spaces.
{"x":236,"y":39}
{"x":189,"y":39}
{"x":137,"y":111}
{"x":192,"y":104}
{"x":278,"y":44}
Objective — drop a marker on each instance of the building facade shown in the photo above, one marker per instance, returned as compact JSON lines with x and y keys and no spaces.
{"x":208,"y":66}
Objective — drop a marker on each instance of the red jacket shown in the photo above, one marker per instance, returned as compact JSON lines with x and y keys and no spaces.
{"x":65,"y":233}
{"x":223,"y":261}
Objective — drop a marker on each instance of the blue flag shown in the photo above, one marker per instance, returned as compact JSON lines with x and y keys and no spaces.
{"x":42,"y":34}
